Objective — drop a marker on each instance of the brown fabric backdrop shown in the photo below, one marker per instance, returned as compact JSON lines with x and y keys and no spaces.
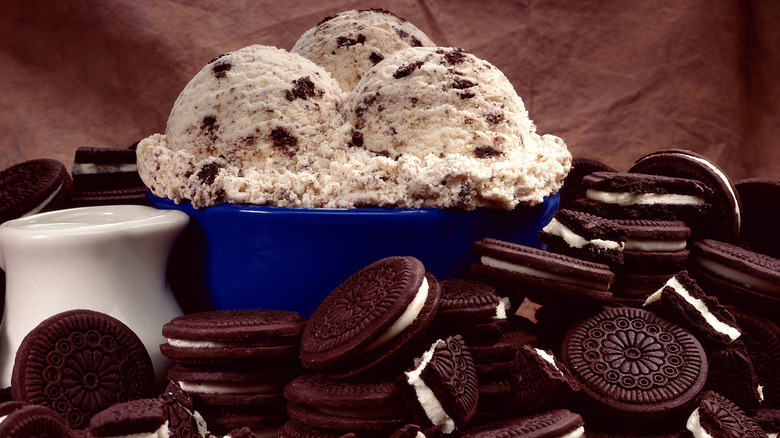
{"x":615,"y":79}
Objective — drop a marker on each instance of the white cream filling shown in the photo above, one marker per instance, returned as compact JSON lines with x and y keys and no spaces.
{"x":184,"y":343}
{"x":503,"y":304}
{"x":92,"y":168}
{"x":3,"y":418}
{"x":527,"y":270}
{"x":771,"y":435}
{"x":574,"y":240}
{"x":725,"y":180}
{"x":760,"y":390}
{"x":406,"y":319}
{"x":161,"y":432}
{"x":694,"y":425}
{"x":627,"y":198}
{"x":228,"y":388}
{"x":425,"y":396}
{"x":45,"y":202}
{"x":576,"y":433}
{"x":548,"y":358}
{"x":737,"y":276}
{"x":653,"y":245}
{"x":699,"y":305}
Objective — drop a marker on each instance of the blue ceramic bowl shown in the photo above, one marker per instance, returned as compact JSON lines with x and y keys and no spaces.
{"x":244,"y":256}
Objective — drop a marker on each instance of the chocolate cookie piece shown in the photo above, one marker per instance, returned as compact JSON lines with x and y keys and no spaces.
{"x":737,"y":275}
{"x":21,"y":420}
{"x":374,"y":316}
{"x":718,"y":416}
{"x":682,"y":301}
{"x":725,"y":218}
{"x":441,"y":387}
{"x":732,"y":375}
{"x":585,"y":236}
{"x":80,"y":362}
{"x":142,"y":416}
{"x":572,"y":188}
{"x":760,"y":199}
{"x":761,"y":336}
{"x":556,"y":423}
{"x":233,"y":337}
{"x":32,"y":187}
{"x":295,"y":429}
{"x":543,"y":276}
{"x":632,"y":364}
{"x":539,"y":380}
{"x":767,"y":419}
{"x":183,"y":420}
{"x":617,"y":195}
{"x":326,"y":403}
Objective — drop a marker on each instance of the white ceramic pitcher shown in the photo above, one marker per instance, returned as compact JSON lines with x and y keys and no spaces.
{"x":111,"y":259}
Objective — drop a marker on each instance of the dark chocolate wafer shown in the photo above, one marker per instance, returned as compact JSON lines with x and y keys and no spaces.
{"x":540,"y":380}
{"x":732,"y":375}
{"x":761,"y":336}
{"x":21,"y":420}
{"x":296,"y":429}
{"x":32,"y":187}
{"x":572,"y":188}
{"x":141,"y":416}
{"x":555,"y":423}
{"x":80,"y":362}
{"x":633,"y":364}
{"x":376,"y":314}
{"x":724,"y":219}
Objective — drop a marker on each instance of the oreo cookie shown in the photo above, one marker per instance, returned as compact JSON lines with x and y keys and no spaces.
{"x":142,"y":416}
{"x":555,"y":423}
{"x":585,"y":236}
{"x":682,"y":301}
{"x":21,"y":420}
{"x":32,"y":187}
{"x":617,"y":195}
{"x":294,"y":429}
{"x":106,"y":176}
{"x":542,"y":276}
{"x":761,"y":336}
{"x":725,"y":218}
{"x":633,"y":365}
{"x":732,"y":375}
{"x":540,"y":380}
{"x":737,"y":275}
{"x":79,"y":363}
{"x":572,"y":188}
{"x":653,"y":247}
{"x":471,"y":309}
{"x":441,"y":387}
{"x":233,"y":337}
{"x":374,"y":316}
{"x":718,"y":416}
{"x":336,"y":405}
{"x":760,"y":199}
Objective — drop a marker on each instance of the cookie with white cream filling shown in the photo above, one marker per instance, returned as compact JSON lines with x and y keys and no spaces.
{"x":585,"y":236}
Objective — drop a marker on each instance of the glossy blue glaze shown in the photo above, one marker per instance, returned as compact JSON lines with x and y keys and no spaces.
{"x":244,"y":256}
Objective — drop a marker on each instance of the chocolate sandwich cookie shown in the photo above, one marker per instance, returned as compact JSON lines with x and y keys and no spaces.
{"x":141,"y":416}
{"x":248,"y":389}
{"x":295,"y":429}
{"x":86,"y":198}
{"x":471,"y":309}
{"x":555,"y":423}
{"x":572,"y":188}
{"x":441,"y":387}
{"x":495,"y":360}
{"x":80,"y":362}
{"x":761,"y":336}
{"x":760,"y":199}
{"x":633,"y":365}
{"x":682,"y":301}
{"x":22,"y":420}
{"x":737,"y":275}
{"x":540,"y":380}
{"x":732,"y":375}
{"x":718,"y":416}
{"x":32,"y":187}
{"x":725,"y":217}
{"x":414,"y":431}
{"x":233,"y":337}
{"x":374,"y":316}
{"x":540,"y":275}
{"x":653,"y":246}
{"x":617,"y":195}
{"x":584,"y":236}
{"x":96,"y":169}
{"x":333,"y":404}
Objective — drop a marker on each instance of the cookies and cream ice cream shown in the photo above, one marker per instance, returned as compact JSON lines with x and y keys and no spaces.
{"x":424,"y":127}
{"x":350,"y":43}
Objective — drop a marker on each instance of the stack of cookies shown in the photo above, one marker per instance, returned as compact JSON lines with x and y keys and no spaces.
{"x":106,"y":176}
{"x":235,"y":364}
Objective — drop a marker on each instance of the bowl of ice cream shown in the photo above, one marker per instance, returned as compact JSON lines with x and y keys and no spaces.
{"x":294,"y":183}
